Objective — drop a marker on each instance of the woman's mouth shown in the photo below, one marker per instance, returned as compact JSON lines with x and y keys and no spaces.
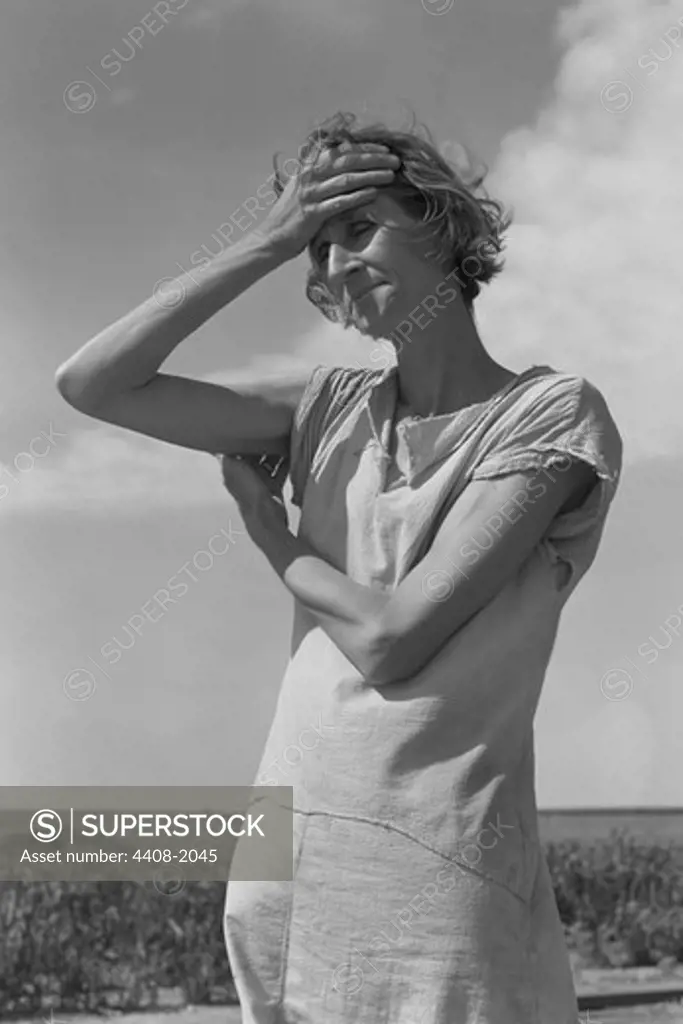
{"x":366,"y":291}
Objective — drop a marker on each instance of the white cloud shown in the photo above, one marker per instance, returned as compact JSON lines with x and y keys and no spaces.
{"x":111,"y":471}
{"x":350,"y":17}
{"x":119,"y":97}
{"x":108,"y":469}
{"x":594,"y":263}
{"x":594,"y":260}
{"x":211,"y":13}
{"x":326,"y":343}
{"x":592,"y":282}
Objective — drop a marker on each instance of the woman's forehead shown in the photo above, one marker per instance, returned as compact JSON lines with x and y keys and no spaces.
{"x":383,"y":207}
{"x":339,"y":220}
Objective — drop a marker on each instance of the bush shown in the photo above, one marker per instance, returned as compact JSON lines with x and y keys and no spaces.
{"x":86,"y":946}
{"x":620,"y":900}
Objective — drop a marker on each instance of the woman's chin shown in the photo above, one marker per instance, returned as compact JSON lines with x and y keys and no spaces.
{"x":372,"y":326}
{"x":369,"y":330}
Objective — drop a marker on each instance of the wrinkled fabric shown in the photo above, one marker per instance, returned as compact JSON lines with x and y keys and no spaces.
{"x":420,"y":892}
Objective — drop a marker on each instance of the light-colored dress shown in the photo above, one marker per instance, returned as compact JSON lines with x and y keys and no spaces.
{"x":420,"y":893}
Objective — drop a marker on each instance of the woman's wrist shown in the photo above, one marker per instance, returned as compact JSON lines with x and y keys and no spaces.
{"x":269,"y":530}
{"x":263,"y":250}
{"x":276,"y":245}
{"x":263,"y":519}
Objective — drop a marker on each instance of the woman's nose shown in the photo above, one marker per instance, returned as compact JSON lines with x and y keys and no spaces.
{"x":340,"y":263}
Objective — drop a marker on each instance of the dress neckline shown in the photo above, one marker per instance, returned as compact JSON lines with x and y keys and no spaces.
{"x":392,"y":376}
{"x":415,"y":432}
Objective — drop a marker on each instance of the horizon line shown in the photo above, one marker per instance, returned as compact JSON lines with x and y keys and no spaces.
{"x":612,"y":810}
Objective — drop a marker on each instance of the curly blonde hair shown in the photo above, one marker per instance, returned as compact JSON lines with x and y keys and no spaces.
{"x":466,"y":223}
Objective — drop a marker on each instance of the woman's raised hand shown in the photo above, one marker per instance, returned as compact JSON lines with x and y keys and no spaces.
{"x":339,"y":179}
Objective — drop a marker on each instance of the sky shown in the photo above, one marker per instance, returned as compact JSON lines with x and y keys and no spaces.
{"x":126,"y":144}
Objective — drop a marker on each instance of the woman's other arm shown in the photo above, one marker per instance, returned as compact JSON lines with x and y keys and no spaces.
{"x":390,"y":636}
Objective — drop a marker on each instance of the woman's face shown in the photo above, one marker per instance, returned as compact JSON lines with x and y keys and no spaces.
{"x":374,"y":261}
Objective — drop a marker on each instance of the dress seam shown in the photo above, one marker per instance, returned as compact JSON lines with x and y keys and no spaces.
{"x":284,"y":948}
{"x":463,"y":865}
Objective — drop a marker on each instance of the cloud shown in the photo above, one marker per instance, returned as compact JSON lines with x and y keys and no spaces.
{"x":591,"y":285}
{"x":119,"y":97}
{"x":109,"y":470}
{"x":210,"y":14}
{"x":594,"y":260}
{"x":105,"y":470}
{"x":349,"y":17}
{"x":327,"y":344}
{"x":592,"y":282}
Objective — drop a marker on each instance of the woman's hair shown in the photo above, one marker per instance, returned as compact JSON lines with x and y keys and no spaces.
{"x":466,"y":223}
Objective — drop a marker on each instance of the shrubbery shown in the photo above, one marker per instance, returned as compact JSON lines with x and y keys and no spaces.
{"x":621,"y":900}
{"x":84,"y":946}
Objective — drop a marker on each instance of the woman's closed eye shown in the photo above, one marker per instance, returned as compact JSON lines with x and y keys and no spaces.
{"x":359,"y":227}
{"x":354,"y":230}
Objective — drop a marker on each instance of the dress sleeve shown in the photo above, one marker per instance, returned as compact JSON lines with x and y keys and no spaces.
{"x":556,"y":424}
{"x":329,"y":393}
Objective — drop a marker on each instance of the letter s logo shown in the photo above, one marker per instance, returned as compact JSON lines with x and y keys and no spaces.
{"x":450,"y":878}
{"x":45,"y":825}
{"x":651,"y":651}
{"x":113,"y":652}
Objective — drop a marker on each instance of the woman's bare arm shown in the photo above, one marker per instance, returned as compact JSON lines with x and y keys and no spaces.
{"x":390,"y":636}
{"x":115,"y":377}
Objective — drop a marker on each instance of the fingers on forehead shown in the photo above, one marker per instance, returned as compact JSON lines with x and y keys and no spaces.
{"x":354,"y":147}
{"x":362,"y":147}
{"x":344,"y":154}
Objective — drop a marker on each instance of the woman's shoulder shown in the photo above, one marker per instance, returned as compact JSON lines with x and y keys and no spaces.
{"x":553,"y":410}
{"x":339,"y":378}
{"x":336,"y":388}
{"x":550,"y":392}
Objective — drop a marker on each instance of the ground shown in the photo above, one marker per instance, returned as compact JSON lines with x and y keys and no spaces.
{"x":662,"y":1013}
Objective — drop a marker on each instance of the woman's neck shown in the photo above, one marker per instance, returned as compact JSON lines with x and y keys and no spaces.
{"x":447,"y":368}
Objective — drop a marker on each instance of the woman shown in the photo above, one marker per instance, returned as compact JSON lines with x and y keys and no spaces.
{"x":449,"y":506}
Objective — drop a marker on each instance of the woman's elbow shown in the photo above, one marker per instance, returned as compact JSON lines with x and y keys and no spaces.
{"x":76,"y":389}
{"x":387,"y":662}
{"x":67,"y":385}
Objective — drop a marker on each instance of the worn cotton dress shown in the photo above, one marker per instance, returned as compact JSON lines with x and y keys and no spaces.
{"x":420,"y":893}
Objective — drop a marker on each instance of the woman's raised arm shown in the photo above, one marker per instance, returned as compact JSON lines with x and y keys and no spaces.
{"x":115,"y":377}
